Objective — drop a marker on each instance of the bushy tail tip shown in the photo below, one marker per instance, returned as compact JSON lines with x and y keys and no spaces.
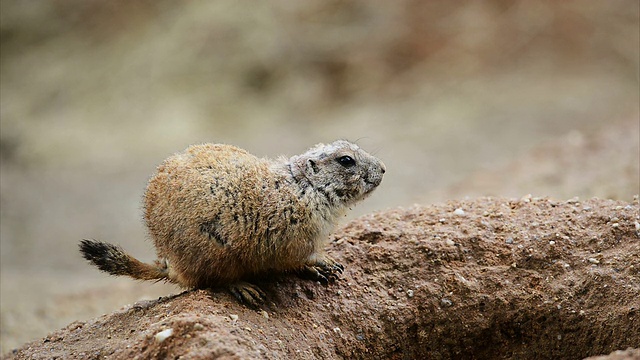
{"x":107,"y":257}
{"x":115,"y":261}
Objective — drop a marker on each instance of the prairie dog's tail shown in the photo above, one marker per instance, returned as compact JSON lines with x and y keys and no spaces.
{"x":115,"y":261}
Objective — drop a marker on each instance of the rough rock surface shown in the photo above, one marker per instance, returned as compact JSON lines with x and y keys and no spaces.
{"x":478,"y":279}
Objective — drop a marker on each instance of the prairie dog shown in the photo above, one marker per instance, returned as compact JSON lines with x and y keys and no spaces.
{"x":219,"y":215}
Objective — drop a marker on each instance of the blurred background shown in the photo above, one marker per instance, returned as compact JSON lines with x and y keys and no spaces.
{"x":459,"y":99}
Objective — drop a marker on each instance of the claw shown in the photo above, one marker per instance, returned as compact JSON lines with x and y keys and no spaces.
{"x":312,"y":273}
{"x":247,"y":293}
{"x":330,"y":265}
{"x":324,"y":270}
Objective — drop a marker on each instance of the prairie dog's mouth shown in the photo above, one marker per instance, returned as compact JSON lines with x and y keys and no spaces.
{"x":372,"y":185}
{"x":373,"y":181}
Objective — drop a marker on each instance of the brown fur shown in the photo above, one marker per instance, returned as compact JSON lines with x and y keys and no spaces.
{"x":218,"y":214}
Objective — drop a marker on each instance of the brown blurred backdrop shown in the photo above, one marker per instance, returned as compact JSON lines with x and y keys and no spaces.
{"x":499,"y":98}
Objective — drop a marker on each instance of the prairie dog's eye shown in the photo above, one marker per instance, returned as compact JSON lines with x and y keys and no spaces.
{"x":346,"y":161}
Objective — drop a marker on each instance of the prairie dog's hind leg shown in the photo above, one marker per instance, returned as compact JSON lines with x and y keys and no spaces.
{"x":247,"y":293}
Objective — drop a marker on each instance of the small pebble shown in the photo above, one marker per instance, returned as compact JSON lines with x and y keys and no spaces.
{"x":637,"y":224}
{"x":594,"y":261}
{"x":336,"y":330}
{"x":443,"y":220}
{"x":163,"y":335}
{"x":449,"y":242}
{"x":509,"y":240}
{"x":552,"y":242}
{"x":410,"y":293}
{"x":198,"y":326}
{"x":446,"y":302}
{"x":264,"y":314}
{"x":459,"y":212}
{"x":233,"y":317}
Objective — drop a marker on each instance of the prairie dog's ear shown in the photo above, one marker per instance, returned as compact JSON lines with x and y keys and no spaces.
{"x":312,"y":167}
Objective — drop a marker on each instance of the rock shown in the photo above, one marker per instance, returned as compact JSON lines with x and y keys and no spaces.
{"x":163,"y":335}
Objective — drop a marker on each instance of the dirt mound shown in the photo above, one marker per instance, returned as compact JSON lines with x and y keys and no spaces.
{"x":488,"y":278}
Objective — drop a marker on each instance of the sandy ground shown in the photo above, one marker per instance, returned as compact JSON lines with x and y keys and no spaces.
{"x":489,"y":278}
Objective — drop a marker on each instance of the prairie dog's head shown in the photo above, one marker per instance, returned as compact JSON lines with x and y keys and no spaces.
{"x":340,"y":170}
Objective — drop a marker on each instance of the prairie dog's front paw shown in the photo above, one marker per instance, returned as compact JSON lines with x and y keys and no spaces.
{"x":324,"y":270}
